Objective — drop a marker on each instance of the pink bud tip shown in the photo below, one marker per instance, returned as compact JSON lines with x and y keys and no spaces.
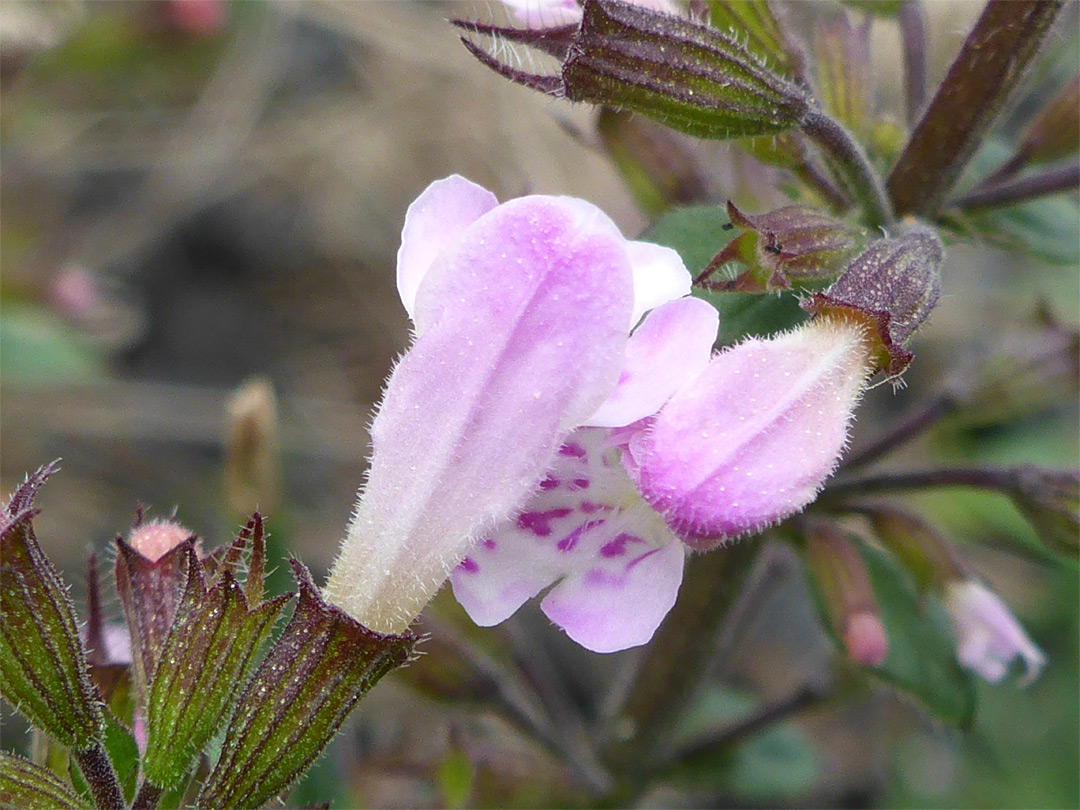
{"x":158,"y":537}
{"x":866,"y":640}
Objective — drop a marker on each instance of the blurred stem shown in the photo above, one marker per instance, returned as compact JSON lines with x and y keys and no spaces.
{"x":674,"y":664}
{"x":98,"y":772}
{"x":913,"y":33}
{"x":1054,"y":180}
{"x":923,"y":418}
{"x":147,"y":798}
{"x":994,"y":58}
{"x":851,"y":161}
{"x":813,"y":175}
{"x":982,"y":477}
{"x":719,"y":742}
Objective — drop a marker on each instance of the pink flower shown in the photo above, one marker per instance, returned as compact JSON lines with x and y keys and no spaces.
{"x":711,"y":450}
{"x":988,"y":636}
{"x":521,"y":314}
{"x":559,"y":421}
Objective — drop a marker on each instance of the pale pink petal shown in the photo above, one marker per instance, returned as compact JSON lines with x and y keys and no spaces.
{"x":659,"y":276}
{"x":615,"y":564}
{"x":669,"y":349}
{"x":753,"y":439}
{"x":545,"y":13}
{"x":620,"y":600}
{"x":988,"y":636}
{"x":433,"y":222}
{"x":522,"y":330}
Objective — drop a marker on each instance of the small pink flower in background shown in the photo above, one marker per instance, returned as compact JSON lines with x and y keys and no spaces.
{"x":988,"y":636}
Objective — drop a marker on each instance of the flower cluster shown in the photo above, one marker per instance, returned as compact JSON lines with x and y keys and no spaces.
{"x":561,"y":420}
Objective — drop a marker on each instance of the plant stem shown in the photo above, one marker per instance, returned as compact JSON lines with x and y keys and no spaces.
{"x":994,"y":58}
{"x":983,"y":477}
{"x":720,"y":741}
{"x":147,"y":798}
{"x":851,"y":161}
{"x":98,"y":772}
{"x":910,"y":426}
{"x":674,"y":663}
{"x":1061,"y":177}
{"x":913,"y":33}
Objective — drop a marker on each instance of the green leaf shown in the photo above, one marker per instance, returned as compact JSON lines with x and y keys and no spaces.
{"x":1044,"y":228}
{"x":205,"y":659}
{"x":456,"y":777}
{"x":696,"y":232}
{"x":27,"y":786}
{"x":38,"y":347}
{"x":922,"y":651}
{"x":124,"y":753}
{"x":43,"y":669}
{"x":314,"y":675}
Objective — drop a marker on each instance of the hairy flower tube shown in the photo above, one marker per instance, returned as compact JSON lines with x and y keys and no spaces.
{"x":988,"y":636}
{"x":560,"y":420}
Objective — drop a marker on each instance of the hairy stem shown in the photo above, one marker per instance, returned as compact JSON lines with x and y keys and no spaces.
{"x":1064,"y":176}
{"x":994,"y":58}
{"x":913,"y":33}
{"x":851,"y":161}
{"x":674,"y":663}
{"x":98,"y":772}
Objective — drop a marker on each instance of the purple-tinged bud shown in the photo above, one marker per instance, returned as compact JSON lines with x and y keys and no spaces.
{"x":686,"y":75}
{"x":1050,"y":500}
{"x":891,"y":287}
{"x":1055,"y":131}
{"x":852,"y":608}
{"x":988,"y":636}
{"x":842,"y":68}
{"x":791,"y":245}
{"x":753,"y":439}
{"x":920,"y":547}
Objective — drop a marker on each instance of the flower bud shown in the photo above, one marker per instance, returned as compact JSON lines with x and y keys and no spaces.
{"x":791,"y":245}
{"x":988,"y":636}
{"x":686,"y":75}
{"x":891,"y":287}
{"x":1054,"y":133}
{"x":1050,"y":500}
{"x":924,"y":552}
{"x":842,"y":68}
{"x":850,"y":603}
{"x":252,"y":456}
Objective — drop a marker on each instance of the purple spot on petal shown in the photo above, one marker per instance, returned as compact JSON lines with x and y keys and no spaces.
{"x":469,"y":566}
{"x":539,"y":523}
{"x":571,"y":540}
{"x":549,"y":483}
{"x":644,"y":556}
{"x":572,"y":449}
{"x":581,"y":483}
{"x":617,"y":546}
{"x":490,"y":544}
{"x":623,"y":377}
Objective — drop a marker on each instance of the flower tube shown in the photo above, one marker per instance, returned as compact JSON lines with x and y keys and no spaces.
{"x":521,"y":313}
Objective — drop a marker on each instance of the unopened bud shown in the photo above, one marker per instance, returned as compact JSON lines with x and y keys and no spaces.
{"x":850,"y":603}
{"x":791,"y":245}
{"x":686,"y":75}
{"x":1050,"y":500}
{"x":1055,"y":132}
{"x":891,"y":287}
{"x":842,"y":68}
{"x":252,"y":457}
{"x":919,"y":546}
{"x":156,"y":538}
